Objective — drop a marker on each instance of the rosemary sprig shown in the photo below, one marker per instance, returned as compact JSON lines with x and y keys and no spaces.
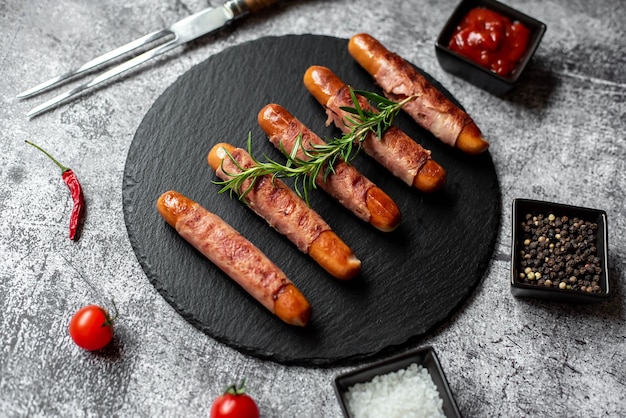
{"x":367,"y":121}
{"x":323,"y":156}
{"x":269,"y":167}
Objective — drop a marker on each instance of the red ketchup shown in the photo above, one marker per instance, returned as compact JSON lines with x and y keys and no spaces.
{"x":490,"y":40}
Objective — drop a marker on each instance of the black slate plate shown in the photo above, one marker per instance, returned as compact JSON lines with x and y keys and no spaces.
{"x":413,"y":278}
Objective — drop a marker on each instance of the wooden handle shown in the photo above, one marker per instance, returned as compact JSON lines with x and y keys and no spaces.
{"x":256,"y":5}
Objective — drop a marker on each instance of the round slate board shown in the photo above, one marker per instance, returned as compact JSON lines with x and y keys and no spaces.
{"x":413,"y":279}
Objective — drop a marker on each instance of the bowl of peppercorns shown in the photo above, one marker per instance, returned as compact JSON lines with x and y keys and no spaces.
{"x":559,"y":252}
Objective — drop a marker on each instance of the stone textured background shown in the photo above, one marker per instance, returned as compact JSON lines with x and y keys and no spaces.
{"x":560,"y":136}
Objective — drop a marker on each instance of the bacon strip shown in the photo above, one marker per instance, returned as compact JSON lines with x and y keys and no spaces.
{"x":275,"y":202}
{"x":236,"y":256}
{"x":432,"y":110}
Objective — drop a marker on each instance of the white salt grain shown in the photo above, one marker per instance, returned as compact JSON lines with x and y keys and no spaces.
{"x":409,"y":392}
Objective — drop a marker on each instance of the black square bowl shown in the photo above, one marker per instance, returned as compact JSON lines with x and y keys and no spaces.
{"x":475,"y":73}
{"x":425,"y":357}
{"x":520,"y":287}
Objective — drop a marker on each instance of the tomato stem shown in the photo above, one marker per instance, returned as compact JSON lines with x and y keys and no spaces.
{"x":111,"y":319}
{"x":236,"y":390}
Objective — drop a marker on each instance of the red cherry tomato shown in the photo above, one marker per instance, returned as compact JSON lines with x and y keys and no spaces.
{"x":234,"y":403}
{"x":91,"y":328}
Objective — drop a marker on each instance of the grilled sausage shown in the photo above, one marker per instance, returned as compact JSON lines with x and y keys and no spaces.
{"x":396,"y":151}
{"x":236,"y":256}
{"x":345,"y":183}
{"x":431,"y":110}
{"x":285,"y":211}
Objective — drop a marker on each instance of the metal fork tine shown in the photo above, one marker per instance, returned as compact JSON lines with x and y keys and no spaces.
{"x":96,"y":62}
{"x":189,"y":28}
{"x":125,"y":66}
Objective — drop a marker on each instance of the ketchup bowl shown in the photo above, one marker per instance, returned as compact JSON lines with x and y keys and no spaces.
{"x":488,"y":44}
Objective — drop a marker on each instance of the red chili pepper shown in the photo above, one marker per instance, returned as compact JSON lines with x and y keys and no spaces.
{"x":76,"y":190}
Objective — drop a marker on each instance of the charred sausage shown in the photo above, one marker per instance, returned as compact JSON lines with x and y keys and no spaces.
{"x":396,"y":151}
{"x":286,"y":212}
{"x":431,"y":110}
{"x":346,"y":184}
{"x":236,"y":256}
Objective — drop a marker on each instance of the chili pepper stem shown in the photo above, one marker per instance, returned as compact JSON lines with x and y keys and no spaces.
{"x":61,"y":166}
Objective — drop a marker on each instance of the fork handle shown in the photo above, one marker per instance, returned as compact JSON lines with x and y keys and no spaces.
{"x":256,"y":5}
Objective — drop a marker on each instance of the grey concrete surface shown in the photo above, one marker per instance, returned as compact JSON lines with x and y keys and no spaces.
{"x":559,"y":137}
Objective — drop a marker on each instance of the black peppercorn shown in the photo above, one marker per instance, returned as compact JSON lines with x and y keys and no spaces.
{"x":560,"y":252}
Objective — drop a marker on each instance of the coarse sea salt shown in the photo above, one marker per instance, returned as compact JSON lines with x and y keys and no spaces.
{"x":408,"y":392}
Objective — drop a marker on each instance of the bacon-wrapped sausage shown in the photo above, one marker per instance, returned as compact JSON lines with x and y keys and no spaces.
{"x":431,"y":110}
{"x":346,"y":184}
{"x":286,"y":212}
{"x":396,"y":151}
{"x":236,"y":256}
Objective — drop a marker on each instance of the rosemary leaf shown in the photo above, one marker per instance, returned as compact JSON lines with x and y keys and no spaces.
{"x":304,"y":172}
